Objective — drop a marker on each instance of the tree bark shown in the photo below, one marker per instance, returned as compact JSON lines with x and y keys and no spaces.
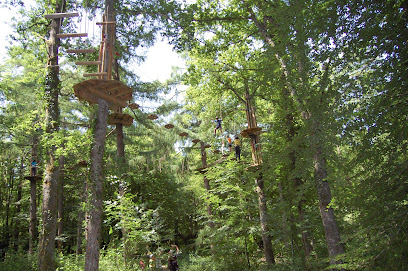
{"x":257,"y":161}
{"x":46,"y":259}
{"x":61,"y":202}
{"x":96,"y":187}
{"x":331,"y":230}
{"x":206,"y":183}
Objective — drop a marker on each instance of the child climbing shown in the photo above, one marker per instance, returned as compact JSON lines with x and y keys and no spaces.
{"x":34,"y":168}
{"x":237,"y":143}
{"x":229,"y":143}
{"x":218,"y":125}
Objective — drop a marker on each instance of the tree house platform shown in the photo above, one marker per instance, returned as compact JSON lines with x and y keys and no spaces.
{"x":120,"y":118}
{"x":61,"y":15}
{"x":80,"y":51}
{"x":72,"y":35}
{"x":152,"y":116}
{"x":114,"y":92}
{"x":196,"y":140}
{"x":33,"y":178}
{"x":133,"y":106}
{"x":169,"y":126}
{"x":247,"y":133}
{"x":183,"y":134}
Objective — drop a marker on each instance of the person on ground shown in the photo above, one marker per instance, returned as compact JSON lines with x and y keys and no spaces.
{"x":172,"y":260}
{"x":218,"y":125}
{"x":237,"y":143}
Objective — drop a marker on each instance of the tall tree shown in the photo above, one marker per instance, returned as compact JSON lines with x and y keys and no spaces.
{"x":46,"y":255}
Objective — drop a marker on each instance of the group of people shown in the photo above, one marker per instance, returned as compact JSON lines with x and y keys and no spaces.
{"x":237,"y":141}
{"x":156,"y":264}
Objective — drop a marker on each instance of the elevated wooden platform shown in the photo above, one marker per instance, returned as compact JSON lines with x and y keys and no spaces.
{"x":152,"y":116}
{"x":88,"y":63}
{"x":72,"y":35}
{"x":33,"y":178}
{"x":115,"y":92}
{"x":183,"y":134}
{"x":97,"y":74}
{"x":80,"y":51}
{"x":169,"y":126}
{"x":196,"y":140}
{"x":61,"y":15}
{"x":133,"y":106}
{"x":247,"y":133}
{"x":120,"y":118}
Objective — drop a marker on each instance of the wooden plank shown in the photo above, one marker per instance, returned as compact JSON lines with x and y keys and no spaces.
{"x":88,"y":62}
{"x":105,"y":23}
{"x":80,"y":51}
{"x":95,"y":74}
{"x":61,"y":15}
{"x":72,"y":35}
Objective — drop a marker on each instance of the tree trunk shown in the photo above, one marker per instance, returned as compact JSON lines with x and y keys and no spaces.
{"x":32,"y":229}
{"x":61,"y":203}
{"x":96,"y":187}
{"x":206,"y":183}
{"x":331,"y":230}
{"x":96,"y":181}
{"x":46,"y":259}
{"x":18,"y":207}
{"x":257,"y":161}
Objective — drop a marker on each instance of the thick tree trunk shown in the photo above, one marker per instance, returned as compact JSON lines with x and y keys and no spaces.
{"x":206,"y":182}
{"x":61,"y":202}
{"x":96,"y":187}
{"x":257,"y":161}
{"x":32,"y":229}
{"x":331,"y":230}
{"x":46,"y":259}
{"x":96,"y":181}
{"x":18,"y":207}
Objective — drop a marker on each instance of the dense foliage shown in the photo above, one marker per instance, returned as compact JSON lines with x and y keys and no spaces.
{"x":326,"y":81}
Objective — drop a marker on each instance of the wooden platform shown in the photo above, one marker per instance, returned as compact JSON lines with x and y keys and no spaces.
{"x":120,"y":118}
{"x":196,"y":140}
{"x":183,"y":134}
{"x":72,"y":35}
{"x":169,"y":126}
{"x":80,"y":51}
{"x":33,"y":178}
{"x":133,"y":106}
{"x":61,"y":15}
{"x":115,"y":92}
{"x":247,"y":133}
{"x":152,"y":116}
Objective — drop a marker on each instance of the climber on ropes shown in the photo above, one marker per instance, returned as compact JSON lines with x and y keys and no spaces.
{"x":34,"y":168}
{"x":218,"y":125}
{"x":237,"y":143}
{"x":229,"y":143}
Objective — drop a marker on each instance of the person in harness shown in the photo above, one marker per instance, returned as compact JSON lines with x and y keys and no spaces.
{"x":218,"y":125}
{"x":172,"y":260}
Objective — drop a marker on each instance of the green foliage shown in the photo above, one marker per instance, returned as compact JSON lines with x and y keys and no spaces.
{"x":18,"y":262}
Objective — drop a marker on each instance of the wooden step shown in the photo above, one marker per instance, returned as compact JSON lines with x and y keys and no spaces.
{"x":102,"y":23}
{"x":80,"y":51}
{"x":95,"y":74}
{"x":61,"y":15}
{"x":72,"y":35}
{"x":88,"y":62}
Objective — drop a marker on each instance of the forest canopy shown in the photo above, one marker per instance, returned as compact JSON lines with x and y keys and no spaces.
{"x":281,"y":145}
